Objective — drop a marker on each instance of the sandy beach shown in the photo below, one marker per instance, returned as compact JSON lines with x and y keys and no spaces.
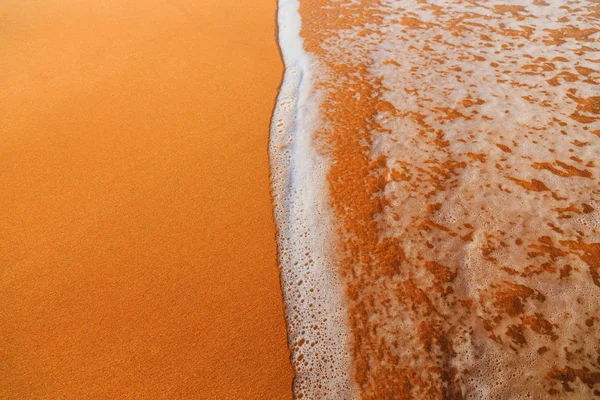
{"x":137,"y":246}
{"x":415,"y":214}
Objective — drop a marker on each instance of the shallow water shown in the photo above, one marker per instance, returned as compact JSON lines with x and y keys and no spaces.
{"x":445,"y":198}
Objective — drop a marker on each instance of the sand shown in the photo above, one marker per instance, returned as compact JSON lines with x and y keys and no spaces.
{"x":137,"y":239}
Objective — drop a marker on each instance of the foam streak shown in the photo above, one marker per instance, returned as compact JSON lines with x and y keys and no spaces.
{"x":317,"y":327}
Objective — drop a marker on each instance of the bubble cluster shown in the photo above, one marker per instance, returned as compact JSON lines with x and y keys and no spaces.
{"x":317,"y":324}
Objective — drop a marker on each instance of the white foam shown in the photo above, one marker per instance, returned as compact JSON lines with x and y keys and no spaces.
{"x":317,"y":326}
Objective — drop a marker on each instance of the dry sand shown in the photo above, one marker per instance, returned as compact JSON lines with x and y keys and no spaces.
{"x":137,"y":243}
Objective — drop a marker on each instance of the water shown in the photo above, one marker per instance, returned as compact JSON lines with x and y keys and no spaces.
{"x":437,"y":187}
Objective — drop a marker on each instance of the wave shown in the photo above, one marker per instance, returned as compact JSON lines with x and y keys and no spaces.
{"x":437,"y":198}
{"x":318,"y":334}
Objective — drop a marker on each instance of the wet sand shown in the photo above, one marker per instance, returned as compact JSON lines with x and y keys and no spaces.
{"x":461,"y":140}
{"x":137,"y":245}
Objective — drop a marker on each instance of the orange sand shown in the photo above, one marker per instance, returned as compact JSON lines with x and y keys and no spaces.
{"x":137,"y":243}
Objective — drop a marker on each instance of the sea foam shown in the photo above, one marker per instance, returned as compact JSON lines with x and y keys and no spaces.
{"x":438,"y":159}
{"x":316,"y":322}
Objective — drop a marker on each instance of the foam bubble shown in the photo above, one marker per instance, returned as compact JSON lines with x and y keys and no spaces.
{"x":315,"y":313}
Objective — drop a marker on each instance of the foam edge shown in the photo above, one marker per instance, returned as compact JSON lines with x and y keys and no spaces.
{"x":318,"y":332}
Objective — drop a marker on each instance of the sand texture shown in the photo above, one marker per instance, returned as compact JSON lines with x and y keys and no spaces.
{"x":137,"y":245}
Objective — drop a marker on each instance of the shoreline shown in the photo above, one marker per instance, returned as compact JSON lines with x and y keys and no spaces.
{"x":313,"y":293}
